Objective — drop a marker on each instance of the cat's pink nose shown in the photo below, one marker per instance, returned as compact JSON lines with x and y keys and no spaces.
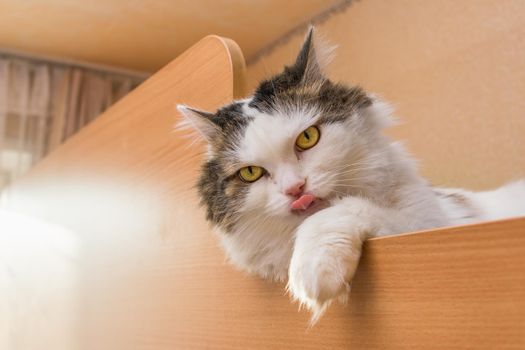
{"x":296,"y":189}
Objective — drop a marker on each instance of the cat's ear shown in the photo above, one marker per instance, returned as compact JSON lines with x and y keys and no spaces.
{"x":199,"y":121}
{"x":314,"y":56}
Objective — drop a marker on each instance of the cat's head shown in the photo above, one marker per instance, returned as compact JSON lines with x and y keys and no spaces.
{"x":300,"y":141}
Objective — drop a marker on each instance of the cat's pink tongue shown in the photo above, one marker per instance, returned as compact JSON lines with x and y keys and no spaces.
{"x":303,"y":202}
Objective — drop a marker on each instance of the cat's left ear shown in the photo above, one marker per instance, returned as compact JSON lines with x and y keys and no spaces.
{"x":313,"y":58}
{"x":199,"y":121}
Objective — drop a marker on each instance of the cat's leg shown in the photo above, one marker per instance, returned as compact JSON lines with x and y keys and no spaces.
{"x":328,"y":247}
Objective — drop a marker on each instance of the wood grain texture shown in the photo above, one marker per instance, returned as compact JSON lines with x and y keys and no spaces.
{"x":146,"y":273}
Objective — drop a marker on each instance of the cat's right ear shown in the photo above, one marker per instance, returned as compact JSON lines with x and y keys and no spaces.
{"x":314,"y":56}
{"x":198,"y":121}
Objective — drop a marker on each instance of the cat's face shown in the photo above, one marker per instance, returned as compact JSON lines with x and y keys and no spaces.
{"x":291,"y":162}
{"x":286,"y":151}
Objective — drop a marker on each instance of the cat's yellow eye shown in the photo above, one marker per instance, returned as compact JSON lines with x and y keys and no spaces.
{"x":251,"y":173}
{"x":308,"y":138}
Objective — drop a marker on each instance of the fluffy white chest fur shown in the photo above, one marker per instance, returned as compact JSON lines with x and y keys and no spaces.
{"x":299,"y":175}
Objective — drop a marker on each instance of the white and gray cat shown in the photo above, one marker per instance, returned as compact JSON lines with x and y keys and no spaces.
{"x":299,"y":174}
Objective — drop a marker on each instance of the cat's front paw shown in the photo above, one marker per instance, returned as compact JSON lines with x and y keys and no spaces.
{"x":315,"y":281}
{"x":326,"y":253}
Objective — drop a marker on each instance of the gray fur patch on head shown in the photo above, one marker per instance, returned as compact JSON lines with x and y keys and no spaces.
{"x":304,"y":84}
{"x":220,"y":189}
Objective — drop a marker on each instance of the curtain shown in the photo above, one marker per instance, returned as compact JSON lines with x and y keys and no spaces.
{"x":44,"y":103}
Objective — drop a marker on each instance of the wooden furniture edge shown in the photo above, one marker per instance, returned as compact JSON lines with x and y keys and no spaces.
{"x":478,"y":226}
{"x":238,"y":66}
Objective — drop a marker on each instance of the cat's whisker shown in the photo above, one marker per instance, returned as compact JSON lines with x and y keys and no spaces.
{"x":360,"y":175}
{"x":355,"y":166}
{"x":358,"y":166}
{"x":351,"y":177}
{"x":348,"y":186}
{"x":352,"y":171}
{"x":254,"y":224}
{"x":345,"y":186}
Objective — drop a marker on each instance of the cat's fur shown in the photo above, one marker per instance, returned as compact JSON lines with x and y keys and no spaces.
{"x":365,"y":184}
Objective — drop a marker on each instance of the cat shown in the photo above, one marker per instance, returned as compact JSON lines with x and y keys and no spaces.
{"x":298,"y":175}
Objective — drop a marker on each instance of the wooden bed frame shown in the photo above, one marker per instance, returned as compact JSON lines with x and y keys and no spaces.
{"x":137,"y":267}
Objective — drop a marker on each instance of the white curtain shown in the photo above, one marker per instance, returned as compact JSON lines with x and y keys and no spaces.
{"x":42,"y":104}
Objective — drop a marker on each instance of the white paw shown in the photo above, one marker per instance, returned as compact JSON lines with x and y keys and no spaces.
{"x":315,"y":282}
{"x":326,"y":253}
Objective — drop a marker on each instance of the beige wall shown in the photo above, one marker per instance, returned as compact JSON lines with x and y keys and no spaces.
{"x":455,"y":71}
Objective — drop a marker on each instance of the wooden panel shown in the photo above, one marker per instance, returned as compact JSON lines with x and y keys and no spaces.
{"x":121,"y":228}
{"x":129,"y":262}
{"x":452,"y":288}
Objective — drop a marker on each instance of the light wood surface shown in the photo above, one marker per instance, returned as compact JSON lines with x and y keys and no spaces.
{"x":124,"y":260}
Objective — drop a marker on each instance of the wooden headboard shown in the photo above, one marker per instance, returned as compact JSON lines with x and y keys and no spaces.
{"x":125,"y":259}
